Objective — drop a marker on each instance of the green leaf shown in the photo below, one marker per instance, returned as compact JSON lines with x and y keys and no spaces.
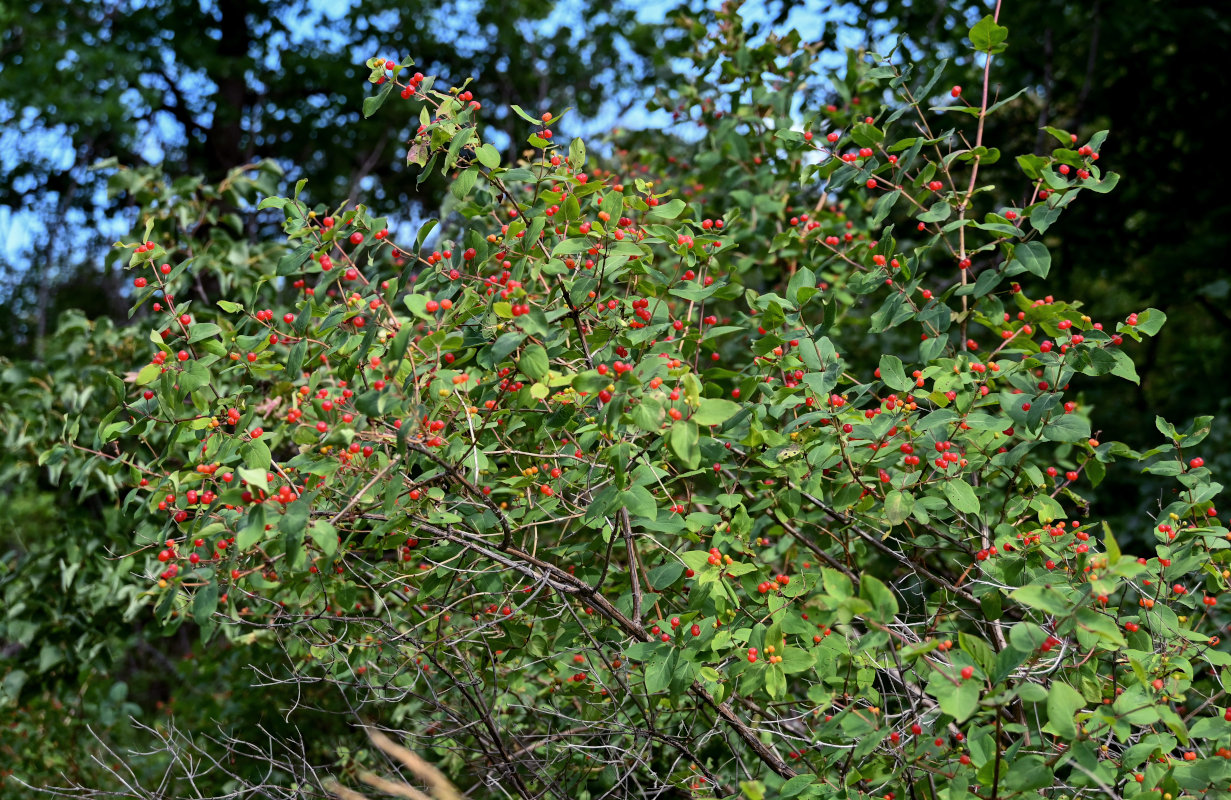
{"x":884,"y":603}
{"x":658,"y":672}
{"x":939,"y":212}
{"x":1166,"y":429}
{"x":959,"y":701}
{"x":1026,"y":637}
{"x":460,"y":140}
{"x":697,"y":561}
{"x":257,"y":478}
{"x":647,"y":416}
{"x":933,"y":79}
{"x":1150,"y":321}
{"x":371,"y":104}
{"x":1110,"y":544}
{"x":533,"y":362}
{"x":796,"y":785}
{"x":577,"y":153}
{"x":570,"y":247}
{"x":884,"y":205}
{"x":866,"y":135}
{"x":425,"y":230}
{"x":1000,"y":103}
{"x":796,"y":659}
{"x":202,"y":330}
{"x":205,"y":601}
{"x":988,"y":37}
{"x":685,"y":442}
{"x":488,"y":156}
{"x":1007,"y":660}
{"x":293,"y":525}
{"x":898,"y":505}
{"x":836,"y":583}
{"x":1027,"y":774}
{"x":1067,"y":428}
{"x":1043,"y":217}
{"x":775,"y":680}
{"x":1093,"y":626}
{"x":194,"y":376}
{"x":521,"y":113}
{"x":1063,"y":701}
{"x":325,"y":536}
{"x":1124,"y":366}
{"x":293,"y":261}
{"x":1033,"y":166}
{"x":715,"y":411}
{"x":253,"y":530}
{"x":1064,"y":137}
{"x":1046,"y":600}
{"x":294,"y":361}
{"x":971,"y":110}
{"x":464,"y":183}
{"x":801,"y":286}
{"x":663,"y":576}
{"x":1109,"y":182}
{"x":256,"y":455}
{"x":1031,"y":692}
{"x":492,"y":356}
{"x":1034,"y":256}
{"x":1047,"y":507}
{"x":148,"y":374}
{"x":894,"y":375}
{"x":1175,"y":722}
{"x":669,"y":211}
{"x":961,"y":495}
{"x":640,"y":503}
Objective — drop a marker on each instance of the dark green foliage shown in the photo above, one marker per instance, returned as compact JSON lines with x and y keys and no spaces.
{"x":1147,"y":72}
{"x":740,"y":462}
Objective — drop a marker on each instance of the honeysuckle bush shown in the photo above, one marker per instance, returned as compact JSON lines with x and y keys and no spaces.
{"x":742,"y":467}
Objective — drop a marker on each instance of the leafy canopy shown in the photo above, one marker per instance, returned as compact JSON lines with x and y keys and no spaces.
{"x":746,"y":467}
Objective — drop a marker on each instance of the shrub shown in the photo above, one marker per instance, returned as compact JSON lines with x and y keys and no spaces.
{"x":680,"y":467}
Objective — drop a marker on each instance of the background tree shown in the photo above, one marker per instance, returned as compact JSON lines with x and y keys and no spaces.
{"x":201,"y":88}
